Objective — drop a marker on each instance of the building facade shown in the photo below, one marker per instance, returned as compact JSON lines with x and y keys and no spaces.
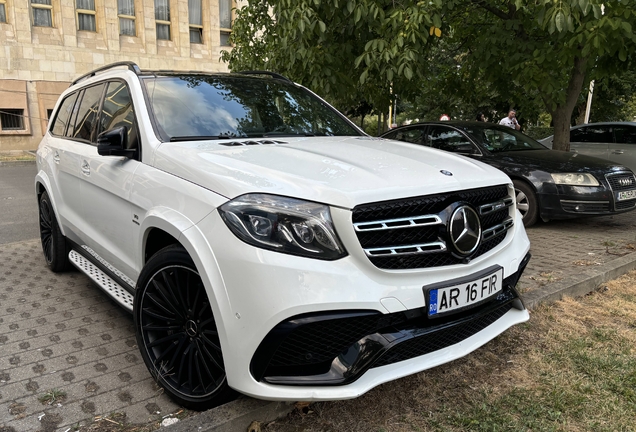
{"x":45,"y":44}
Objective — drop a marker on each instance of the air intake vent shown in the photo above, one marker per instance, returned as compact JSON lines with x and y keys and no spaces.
{"x":251,"y":142}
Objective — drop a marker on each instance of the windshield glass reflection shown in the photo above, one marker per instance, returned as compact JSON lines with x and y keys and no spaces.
{"x":501,"y":139}
{"x":224,"y":107}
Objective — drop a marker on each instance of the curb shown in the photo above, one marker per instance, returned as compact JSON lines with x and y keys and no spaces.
{"x":236,"y":416}
{"x":581,"y":284}
{"x":17,"y":163}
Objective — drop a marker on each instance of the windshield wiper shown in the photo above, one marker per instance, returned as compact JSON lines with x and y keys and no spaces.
{"x":287,"y":134}
{"x":199,"y":137}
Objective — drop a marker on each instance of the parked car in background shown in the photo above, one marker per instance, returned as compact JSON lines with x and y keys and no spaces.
{"x":264,"y":243}
{"x":549,"y":184}
{"x":615,"y":141}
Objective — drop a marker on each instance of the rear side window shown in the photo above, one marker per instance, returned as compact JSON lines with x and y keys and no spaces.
{"x":63,"y":115}
{"x":625,"y":134}
{"x":118,"y":111}
{"x":87,"y":113}
{"x":592,"y":134}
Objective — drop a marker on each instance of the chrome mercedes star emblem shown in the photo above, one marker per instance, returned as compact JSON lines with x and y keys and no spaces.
{"x":465,"y":230}
{"x":191,"y":328}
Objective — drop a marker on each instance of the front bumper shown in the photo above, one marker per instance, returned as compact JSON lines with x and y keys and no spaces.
{"x":336,"y":348}
{"x":571,"y":202}
{"x":254,"y":290}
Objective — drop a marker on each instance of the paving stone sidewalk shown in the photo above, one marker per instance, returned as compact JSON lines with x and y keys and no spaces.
{"x":60,"y":332}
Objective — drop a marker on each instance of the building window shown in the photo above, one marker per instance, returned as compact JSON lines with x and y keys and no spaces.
{"x":225,"y":21}
{"x":126,"y":13}
{"x":11,"y":119}
{"x":86,"y":15}
{"x":162,"y":18}
{"x":3,"y":11}
{"x":42,"y":13}
{"x":195,"y":14}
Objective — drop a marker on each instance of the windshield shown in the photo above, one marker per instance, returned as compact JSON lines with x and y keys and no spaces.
{"x":195,"y":106}
{"x":500,"y":138}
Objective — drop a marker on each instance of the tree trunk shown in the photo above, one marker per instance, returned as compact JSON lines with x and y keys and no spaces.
{"x":561,"y":118}
{"x":562,"y":113}
{"x":362,"y":121}
{"x":379,"y":125}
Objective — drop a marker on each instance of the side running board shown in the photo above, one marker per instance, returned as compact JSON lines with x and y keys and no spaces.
{"x":112,"y":288}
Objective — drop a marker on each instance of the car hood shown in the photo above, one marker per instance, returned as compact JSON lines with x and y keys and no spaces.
{"x":555,"y":161}
{"x":340,"y":171}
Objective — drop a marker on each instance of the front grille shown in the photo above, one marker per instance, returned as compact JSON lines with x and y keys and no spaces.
{"x":585,"y":206}
{"x":429,"y":343}
{"x":624,"y":205}
{"x":411,"y":233}
{"x":622,"y":181}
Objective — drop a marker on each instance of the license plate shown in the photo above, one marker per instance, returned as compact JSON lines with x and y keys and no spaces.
{"x":626,"y":195}
{"x":464,"y":294}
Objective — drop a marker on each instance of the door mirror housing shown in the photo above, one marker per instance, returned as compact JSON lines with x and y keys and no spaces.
{"x":113,"y":142}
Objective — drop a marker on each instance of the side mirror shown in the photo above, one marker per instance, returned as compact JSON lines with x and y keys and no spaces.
{"x":113,"y":143}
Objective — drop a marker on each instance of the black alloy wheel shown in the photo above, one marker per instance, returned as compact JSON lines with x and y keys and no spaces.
{"x":526,"y":202}
{"x":54,"y":244}
{"x":177,"y":333}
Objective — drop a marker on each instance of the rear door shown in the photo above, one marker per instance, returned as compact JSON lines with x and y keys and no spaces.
{"x":623,"y":150}
{"x":63,"y":159}
{"x":591,"y":140}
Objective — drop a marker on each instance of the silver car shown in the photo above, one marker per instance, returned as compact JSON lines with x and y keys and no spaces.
{"x":615,"y":141}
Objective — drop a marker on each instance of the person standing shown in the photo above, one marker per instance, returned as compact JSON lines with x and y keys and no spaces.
{"x":510,"y":120}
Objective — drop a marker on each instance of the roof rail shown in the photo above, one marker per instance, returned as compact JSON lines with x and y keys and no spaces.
{"x":131,"y":65}
{"x":272,"y":74}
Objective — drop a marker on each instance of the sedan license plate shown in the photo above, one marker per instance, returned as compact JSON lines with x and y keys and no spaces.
{"x":626,"y":195}
{"x":461,"y":295}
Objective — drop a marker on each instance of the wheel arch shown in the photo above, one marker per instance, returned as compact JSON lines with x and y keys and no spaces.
{"x":165,"y":227}
{"x":42,"y":184}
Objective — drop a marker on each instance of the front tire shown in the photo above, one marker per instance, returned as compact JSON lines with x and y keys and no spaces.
{"x":54,"y":244}
{"x":176,"y":331}
{"x":526,"y":202}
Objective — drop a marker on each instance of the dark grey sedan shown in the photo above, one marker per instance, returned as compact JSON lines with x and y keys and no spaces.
{"x":549,"y":184}
{"x":615,"y":141}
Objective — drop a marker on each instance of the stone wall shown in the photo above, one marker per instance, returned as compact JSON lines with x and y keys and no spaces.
{"x":43,"y":60}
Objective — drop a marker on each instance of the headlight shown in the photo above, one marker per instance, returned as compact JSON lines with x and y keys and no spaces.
{"x":575,"y":179}
{"x":284,"y":225}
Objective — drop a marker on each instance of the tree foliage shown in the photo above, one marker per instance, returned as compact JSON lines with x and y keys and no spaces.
{"x":539,"y":53}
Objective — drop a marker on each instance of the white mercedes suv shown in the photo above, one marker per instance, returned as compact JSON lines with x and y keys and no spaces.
{"x":264,"y":244}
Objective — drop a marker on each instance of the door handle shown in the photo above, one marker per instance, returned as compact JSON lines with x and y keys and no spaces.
{"x":56,"y":157}
{"x":86,"y":168}
{"x":617,"y":152}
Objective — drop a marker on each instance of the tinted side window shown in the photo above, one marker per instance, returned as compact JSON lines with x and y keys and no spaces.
{"x":625,"y":134}
{"x":412,"y":135}
{"x":63,"y":115}
{"x":592,"y":134}
{"x":87,"y":113}
{"x":118,"y":111}
{"x":451,"y":140}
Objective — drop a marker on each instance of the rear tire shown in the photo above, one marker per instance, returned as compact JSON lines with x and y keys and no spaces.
{"x":176,"y":331}
{"x":54,"y":244}
{"x":526,"y":202}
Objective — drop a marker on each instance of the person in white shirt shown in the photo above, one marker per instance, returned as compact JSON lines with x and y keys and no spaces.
{"x":510,"y":120}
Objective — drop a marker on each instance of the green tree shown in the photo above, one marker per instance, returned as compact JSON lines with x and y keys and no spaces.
{"x":346,"y":50}
{"x":549,"y":48}
{"x":544,"y":51}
